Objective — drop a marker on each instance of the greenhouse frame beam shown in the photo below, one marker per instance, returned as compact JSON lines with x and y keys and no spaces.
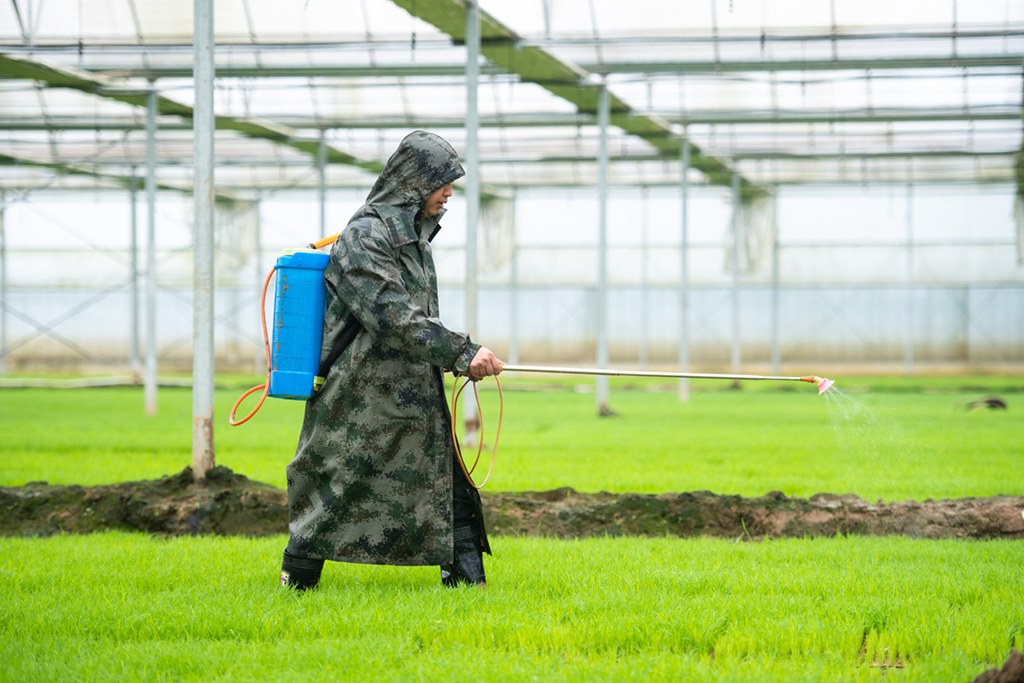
{"x":604,"y":68}
{"x":757,"y":155}
{"x":875,"y":64}
{"x":59,"y":76}
{"x":923,"y":153}
{"x":544,"y":119}
{"x":70,"y":168}
{"x":565,"y":80}
{"x":552,"y":120}
{"x":876,"y":115}
{"x":247,"y":45}
{"x":310,"y":71}
{"x":878,"y":177}
{"x":228,"y":192}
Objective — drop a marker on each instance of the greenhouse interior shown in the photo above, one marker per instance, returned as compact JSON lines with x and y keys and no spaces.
{"x":728,"y":185}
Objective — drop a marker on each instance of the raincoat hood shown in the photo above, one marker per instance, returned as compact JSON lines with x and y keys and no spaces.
{"x":423,"y":163}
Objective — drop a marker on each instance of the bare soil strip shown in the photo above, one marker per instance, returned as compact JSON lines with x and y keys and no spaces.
{"x":230,"y":504}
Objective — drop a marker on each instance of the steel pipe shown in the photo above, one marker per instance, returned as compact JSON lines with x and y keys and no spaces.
{"x":735,"y":302}
{"x":3,"y":284}
{"x":603,"y":116}
{"x":203,"y":276}
{"x":908,"y":314}
{"x":321,"y":167}
{"x":149,"y":380}
{"x":644,"y":218}
{"x":133,"y":360}
{"x":684,"y":275}
{"x":776,"y":360}
{"x":471,"y":419}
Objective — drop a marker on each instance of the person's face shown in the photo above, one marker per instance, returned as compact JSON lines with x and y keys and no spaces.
{"x":435,"y":202}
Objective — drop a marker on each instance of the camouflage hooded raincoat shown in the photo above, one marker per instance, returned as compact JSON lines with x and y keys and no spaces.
{"x":371,"y":481}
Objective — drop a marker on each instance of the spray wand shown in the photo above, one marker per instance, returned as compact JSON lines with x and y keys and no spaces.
{"x":823,"y":383}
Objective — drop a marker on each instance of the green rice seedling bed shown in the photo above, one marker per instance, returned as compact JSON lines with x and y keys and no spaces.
{"x":129,"y":607}
{"x":891,"y":446}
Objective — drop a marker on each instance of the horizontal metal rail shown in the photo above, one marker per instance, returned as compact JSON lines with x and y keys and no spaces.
{"x":612,"y":67}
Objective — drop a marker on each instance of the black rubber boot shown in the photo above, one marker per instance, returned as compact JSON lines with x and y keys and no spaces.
{"x":300,"y":573}
{"x":468,"y":564}
{"x":470,"y":537}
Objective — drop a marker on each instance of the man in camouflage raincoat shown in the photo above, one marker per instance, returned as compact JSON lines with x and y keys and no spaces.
{"x":374,"y":478}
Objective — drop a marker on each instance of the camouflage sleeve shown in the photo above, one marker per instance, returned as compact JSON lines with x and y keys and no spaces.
{"x":371,"y":286}
{"x":465,"y":358}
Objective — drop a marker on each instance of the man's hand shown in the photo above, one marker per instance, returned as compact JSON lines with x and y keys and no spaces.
{"x":484,"y":364}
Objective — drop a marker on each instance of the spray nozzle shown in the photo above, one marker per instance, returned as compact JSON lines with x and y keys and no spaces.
{"x":823,"y":383}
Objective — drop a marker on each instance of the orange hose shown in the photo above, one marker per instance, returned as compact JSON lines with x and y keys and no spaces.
{"x":266,"y":343}
{"x":479,"y":411}
{"x":326,"y":241}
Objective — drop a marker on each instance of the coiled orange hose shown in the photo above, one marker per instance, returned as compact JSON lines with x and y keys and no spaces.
{"x":480,"y":412}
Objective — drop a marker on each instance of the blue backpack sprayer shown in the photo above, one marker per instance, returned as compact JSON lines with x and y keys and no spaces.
{"x":294,"y":356}
{"x":295,"y":371}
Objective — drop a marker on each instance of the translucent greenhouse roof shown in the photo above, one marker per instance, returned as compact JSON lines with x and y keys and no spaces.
{"x":848,"y":91}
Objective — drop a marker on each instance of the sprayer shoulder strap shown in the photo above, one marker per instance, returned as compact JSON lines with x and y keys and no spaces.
{"x":348,"y":334}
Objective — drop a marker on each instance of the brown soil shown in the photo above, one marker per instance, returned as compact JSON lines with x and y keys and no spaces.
{"x":230,"y":504}
{"x":1012,"y":671}
{"x":226,"y":503}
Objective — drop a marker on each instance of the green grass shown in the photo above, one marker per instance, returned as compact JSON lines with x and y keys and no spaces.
{"x":130,"y":607}
{"x":889,"y":445}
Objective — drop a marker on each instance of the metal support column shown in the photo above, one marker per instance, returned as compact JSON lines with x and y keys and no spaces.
{"x":644,"y":341}
{"x":321,"y":167}
{"x":202,"y":274}
{"x":149,"y":380}
{"x":776,"y":350}
{"x":133,"y":360}
{"x":966,"y":316}
{"x":30,"y":24}
{"x":472,"y":420}
{"x":260,"y":357}
{"x":684,"y":275}
{"x":513,"y":334}
{"x":603,"y":115}
{"x":735,"y":272}
{"x":908,"y":314}
{"x":3,"y":285}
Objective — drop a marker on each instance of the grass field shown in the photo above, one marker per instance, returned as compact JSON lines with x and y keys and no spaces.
{"x":891,"y":445}
{"x":131,"y":607}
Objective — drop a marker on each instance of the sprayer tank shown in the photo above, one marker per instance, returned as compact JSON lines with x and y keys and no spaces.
{"x":298,"y":324}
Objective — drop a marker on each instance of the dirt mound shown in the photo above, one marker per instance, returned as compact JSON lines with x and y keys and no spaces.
{"x":1012,"y":671}
{"x":230,"y":504}
{"x":566,"y":513}
{"x":225,"y":503}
